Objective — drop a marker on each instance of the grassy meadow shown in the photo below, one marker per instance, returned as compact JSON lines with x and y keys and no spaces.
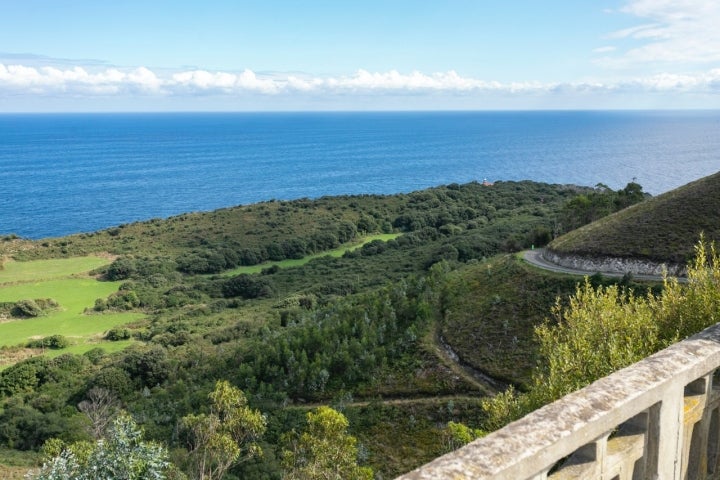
{"x":298,"y":262}
{"x":66,"y":281}
{"x":23,"y":272}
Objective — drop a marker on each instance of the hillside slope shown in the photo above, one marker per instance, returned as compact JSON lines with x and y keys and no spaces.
{"x":275,"y":230}
{"x":661,"y":229}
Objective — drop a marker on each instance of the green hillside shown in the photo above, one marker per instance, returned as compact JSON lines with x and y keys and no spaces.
{"x":278,"y":230}
{"x":263,"y":297}
{"x":492,"y":309}
{"x":662,"y":229}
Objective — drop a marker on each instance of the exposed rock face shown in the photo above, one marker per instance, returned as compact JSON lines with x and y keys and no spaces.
{"x":613,"y":264}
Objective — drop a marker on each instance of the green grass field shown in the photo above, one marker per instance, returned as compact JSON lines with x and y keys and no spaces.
{"x":337,"y":252}
{"x":48,"y":269}
{"x":66,"y":282}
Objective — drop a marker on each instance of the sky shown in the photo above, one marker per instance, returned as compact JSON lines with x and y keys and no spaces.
{"x":317,"y":55}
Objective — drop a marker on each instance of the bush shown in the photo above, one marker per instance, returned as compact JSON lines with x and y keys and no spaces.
{"x":121,"y":269}
{"x":117,"y":333}
{"x":55,"y":342}
{"x":373,"y":248}
{"x":247,"y":286}
{"x":113,"y":379}
{"x":118,"y":301}
{"x":148,"y":367}
{"x":26,"y":309}
{"x":21,"y":377}
{"x":95,"y":355}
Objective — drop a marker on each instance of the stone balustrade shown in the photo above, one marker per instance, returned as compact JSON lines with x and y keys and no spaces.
{"x":658,"y":419}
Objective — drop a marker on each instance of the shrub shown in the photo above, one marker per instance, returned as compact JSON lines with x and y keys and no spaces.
{"x":247,"y":286}
{"x":119,"y":301}
{"x":121,"y":269}
{"x":21,"y":377}
{"x":26,"y":309}
{"x":113,"y":379}
{"x":95,"y":355}
{"x":55,"y":342}
{"x":148,"y":367}
{"x":117,"y":333}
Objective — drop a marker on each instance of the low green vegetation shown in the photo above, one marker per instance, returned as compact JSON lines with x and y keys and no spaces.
{"x":204,"y":298}
{"x":74,"y":296}
{"x":491,"y":309}
{"x":16,"y":463}
{"x":82,"y":348}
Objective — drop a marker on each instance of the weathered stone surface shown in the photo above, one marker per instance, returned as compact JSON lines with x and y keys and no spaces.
{"x":527,"y":448}
{"x":613,"y":264}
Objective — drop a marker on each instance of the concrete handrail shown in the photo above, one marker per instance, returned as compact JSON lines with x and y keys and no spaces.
{"x":656,"y":419}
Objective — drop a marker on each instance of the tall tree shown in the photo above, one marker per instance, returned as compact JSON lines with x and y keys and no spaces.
{"x":225,"y":436}
{"x":324,"y":451}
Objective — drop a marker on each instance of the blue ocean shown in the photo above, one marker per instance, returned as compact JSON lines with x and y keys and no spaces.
{"x":70,"y":173}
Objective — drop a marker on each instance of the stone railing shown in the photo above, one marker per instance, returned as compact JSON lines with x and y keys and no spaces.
{"x":657,"y":419}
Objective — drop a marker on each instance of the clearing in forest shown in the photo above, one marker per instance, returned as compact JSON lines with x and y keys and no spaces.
{"x":66,"y":281}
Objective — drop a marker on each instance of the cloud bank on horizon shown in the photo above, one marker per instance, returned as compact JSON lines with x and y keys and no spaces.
{"x":670,"y":57}
{"x":20,"y":79}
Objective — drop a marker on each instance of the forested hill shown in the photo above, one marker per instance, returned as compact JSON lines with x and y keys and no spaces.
{"x":665,"y":228}
{"x":275,"y":230}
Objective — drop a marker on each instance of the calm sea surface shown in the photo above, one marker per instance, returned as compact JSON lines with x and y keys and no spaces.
{"x":62,"y":174}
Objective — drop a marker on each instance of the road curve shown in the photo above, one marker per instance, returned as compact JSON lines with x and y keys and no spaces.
{"x":535,"y":258}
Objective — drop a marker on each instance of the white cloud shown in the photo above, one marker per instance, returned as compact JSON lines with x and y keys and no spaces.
{"x":80,"y":81}
{"x":222,"y":82}
{"x":77,"y":80}
{"x":144,"y":80}
{"x":685,"y":32}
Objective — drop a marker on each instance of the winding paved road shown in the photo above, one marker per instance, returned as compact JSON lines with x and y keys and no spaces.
{"x":534,"y":257}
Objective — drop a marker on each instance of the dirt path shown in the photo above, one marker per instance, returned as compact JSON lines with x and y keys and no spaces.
{"x":391,"y":401}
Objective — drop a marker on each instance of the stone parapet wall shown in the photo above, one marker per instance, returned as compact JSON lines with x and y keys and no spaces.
{"x":656,"y":419}
{"x":613,"y":264}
